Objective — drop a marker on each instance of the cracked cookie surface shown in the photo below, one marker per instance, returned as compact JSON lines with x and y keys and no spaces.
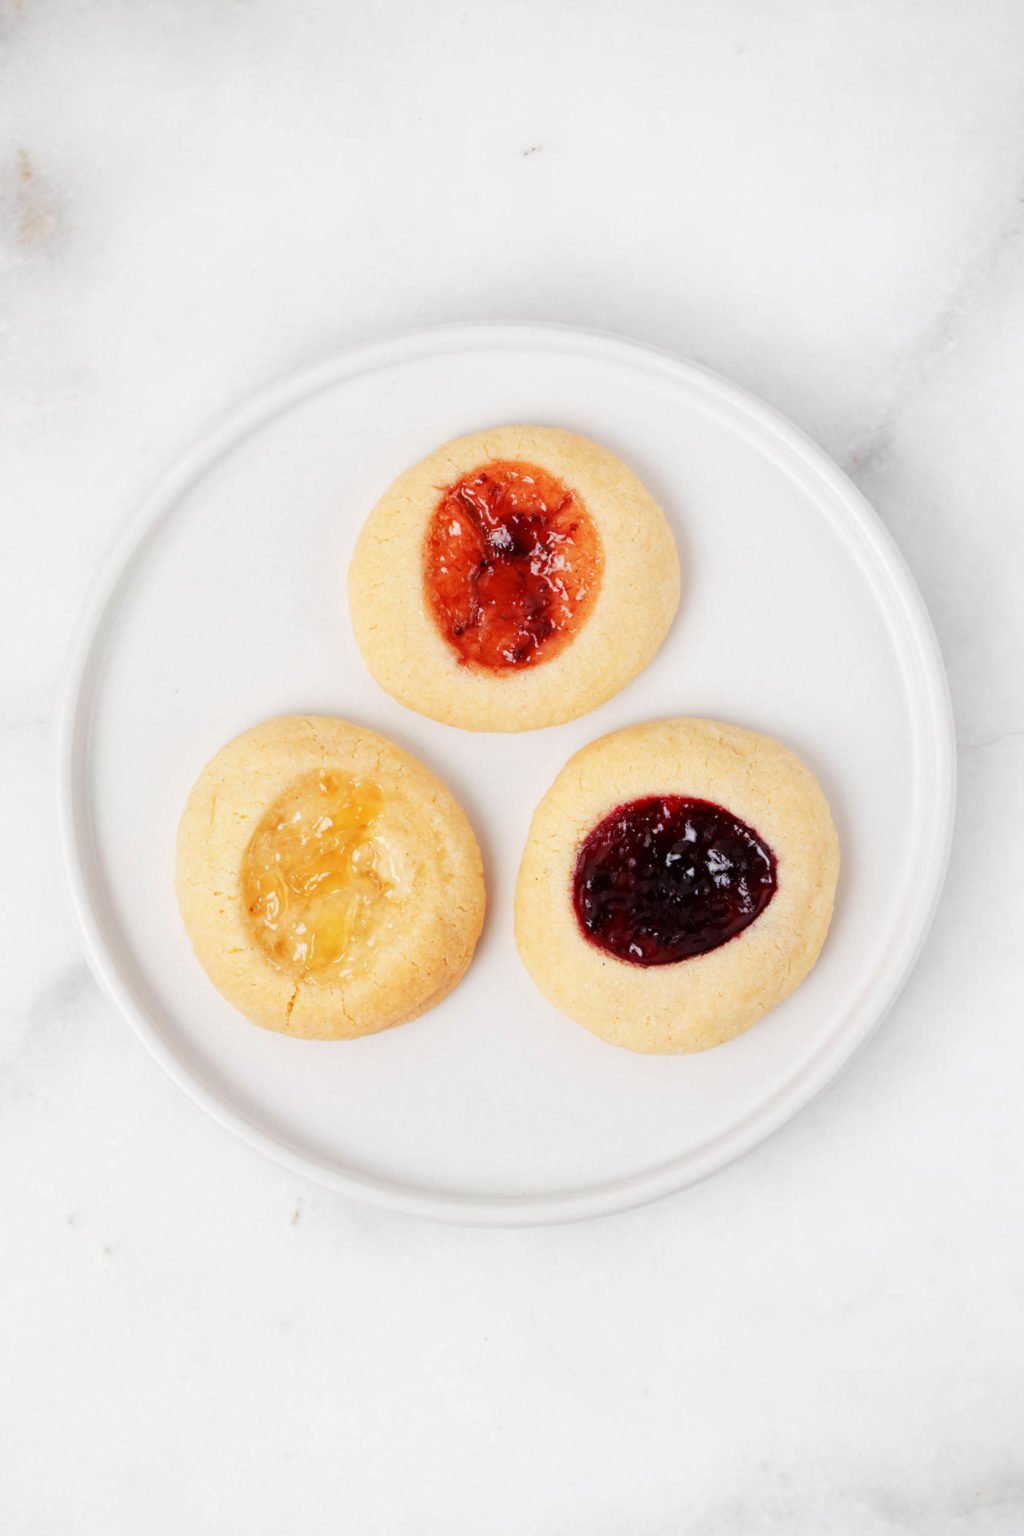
{"x":331,"y":886}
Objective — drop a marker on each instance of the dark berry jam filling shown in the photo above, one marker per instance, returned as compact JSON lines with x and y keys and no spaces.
{"x":667,"y":878}
{"x":512,"y":564}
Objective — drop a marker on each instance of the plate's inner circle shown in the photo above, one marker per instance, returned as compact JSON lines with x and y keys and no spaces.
{"x":793,"y":621}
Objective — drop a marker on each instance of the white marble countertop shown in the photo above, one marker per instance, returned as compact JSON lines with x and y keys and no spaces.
{"x":824,"y":202}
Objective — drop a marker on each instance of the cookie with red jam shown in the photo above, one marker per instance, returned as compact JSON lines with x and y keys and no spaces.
{"x":516,"y":578}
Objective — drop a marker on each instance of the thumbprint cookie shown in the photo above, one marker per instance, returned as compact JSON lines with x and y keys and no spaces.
{"x":516,"y":578}
{"x":677,"y":883}
{"x":331,"y":886}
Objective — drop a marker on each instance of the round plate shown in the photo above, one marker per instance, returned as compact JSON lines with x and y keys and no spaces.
{"x":225,"y":605}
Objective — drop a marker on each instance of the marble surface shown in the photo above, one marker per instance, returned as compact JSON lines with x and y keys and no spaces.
{"x":824,"y":202}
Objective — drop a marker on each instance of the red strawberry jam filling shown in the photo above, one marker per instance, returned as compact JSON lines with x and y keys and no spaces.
{"x":666,"y":878}
{"x":512,"y":565}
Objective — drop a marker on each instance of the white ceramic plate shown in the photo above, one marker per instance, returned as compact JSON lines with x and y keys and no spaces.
{"x":225,"y":605}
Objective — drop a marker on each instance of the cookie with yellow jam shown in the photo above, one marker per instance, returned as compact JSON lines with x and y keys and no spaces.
{"x":331,"y":886}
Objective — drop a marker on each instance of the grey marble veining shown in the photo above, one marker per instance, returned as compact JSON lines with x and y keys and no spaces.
{"x":822,"y":202}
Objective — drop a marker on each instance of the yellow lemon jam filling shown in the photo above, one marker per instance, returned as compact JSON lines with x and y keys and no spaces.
{"x":316,"y":882}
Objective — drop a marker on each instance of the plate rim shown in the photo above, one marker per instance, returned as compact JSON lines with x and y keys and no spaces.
{"x":72,"y":713}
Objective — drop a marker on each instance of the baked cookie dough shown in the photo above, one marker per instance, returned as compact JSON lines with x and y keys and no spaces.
{"x":516,"y":578}
{"x":330,"y":885}
{"x":677,"y":883}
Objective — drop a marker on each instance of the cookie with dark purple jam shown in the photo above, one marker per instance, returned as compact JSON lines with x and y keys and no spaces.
{"x":677,"y":883}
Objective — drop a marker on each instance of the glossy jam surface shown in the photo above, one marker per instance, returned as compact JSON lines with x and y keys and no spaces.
{"x":666,"y":878}
{"x":315,"y":880}
{"x":512,"y":565}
